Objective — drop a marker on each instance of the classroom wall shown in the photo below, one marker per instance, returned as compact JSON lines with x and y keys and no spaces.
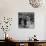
{"x":10,"y":8}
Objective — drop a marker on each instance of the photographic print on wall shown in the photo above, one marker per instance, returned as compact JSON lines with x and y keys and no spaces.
{"x":26,"y":20}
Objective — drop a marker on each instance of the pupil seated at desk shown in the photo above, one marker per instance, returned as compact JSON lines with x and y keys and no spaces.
{"x":34,"y":38}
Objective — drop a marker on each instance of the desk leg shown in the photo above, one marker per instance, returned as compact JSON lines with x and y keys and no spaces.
{"x":25,"y":44}
{"x":35,"y":44}
{"x":17,"y":44}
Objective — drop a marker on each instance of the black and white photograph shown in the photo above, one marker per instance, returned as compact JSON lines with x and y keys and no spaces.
{"x":26,"y":19}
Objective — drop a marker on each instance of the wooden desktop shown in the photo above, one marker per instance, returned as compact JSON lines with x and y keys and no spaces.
{"x":26,"y":43}
{"x":8,"y":42}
